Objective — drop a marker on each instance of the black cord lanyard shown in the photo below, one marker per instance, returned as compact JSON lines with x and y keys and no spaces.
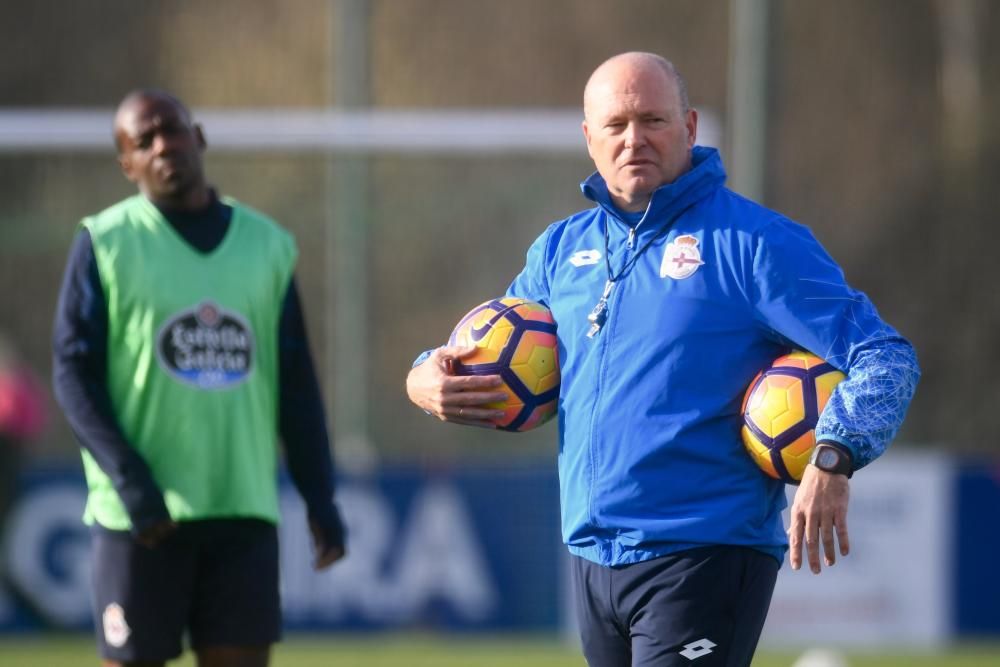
{"x":599,"y":315}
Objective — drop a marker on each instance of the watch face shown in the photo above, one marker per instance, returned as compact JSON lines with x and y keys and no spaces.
{"x":827,"y":458}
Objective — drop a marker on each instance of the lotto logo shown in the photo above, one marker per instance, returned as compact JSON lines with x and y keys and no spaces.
{"x":697,"y":649}
{"x":585,"y":257}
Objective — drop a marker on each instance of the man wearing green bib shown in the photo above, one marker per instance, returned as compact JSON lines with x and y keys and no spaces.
{"x":180,"y":354}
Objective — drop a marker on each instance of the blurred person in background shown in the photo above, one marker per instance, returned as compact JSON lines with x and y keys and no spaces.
{"x":669,"y":295}
{"x":180,"y":354}
{"x":22,"y":420}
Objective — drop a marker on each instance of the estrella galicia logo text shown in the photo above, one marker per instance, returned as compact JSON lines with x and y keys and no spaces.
{"x":206,"y":346}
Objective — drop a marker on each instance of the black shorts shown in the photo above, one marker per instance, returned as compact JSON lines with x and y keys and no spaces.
{"x":216,"y":580}
{"x":702,"y":607}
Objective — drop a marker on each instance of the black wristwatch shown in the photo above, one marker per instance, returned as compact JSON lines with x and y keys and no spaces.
{"x":831,"y":458}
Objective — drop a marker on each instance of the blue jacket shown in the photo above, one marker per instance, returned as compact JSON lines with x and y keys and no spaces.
{"x":650,"y":456}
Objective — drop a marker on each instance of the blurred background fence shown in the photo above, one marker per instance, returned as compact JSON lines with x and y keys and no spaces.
{"x":871,"y":121}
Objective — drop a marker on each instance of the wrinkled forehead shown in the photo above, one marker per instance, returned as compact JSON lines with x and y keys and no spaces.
{"x":637,"y":93}
{"x":620,"y":89}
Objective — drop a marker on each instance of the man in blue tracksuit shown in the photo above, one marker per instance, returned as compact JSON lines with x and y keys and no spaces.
{"x":669,"y":295}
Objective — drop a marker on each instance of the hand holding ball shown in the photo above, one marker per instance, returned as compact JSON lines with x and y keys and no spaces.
{"x":516,"y":339}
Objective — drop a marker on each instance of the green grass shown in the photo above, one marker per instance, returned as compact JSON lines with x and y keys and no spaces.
{"x":438,"y":651}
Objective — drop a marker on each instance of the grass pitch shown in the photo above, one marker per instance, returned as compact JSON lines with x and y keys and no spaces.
{"x":448,"y":651}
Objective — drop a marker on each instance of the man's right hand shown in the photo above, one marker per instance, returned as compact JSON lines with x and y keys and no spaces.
{"x":153,"y":534}
{"x":462,"y":399}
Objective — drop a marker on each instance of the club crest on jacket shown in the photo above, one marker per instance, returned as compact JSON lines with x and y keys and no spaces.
{"x":681,"y":258}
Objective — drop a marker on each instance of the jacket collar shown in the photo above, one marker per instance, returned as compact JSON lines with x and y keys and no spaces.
{"x":705,"y":176}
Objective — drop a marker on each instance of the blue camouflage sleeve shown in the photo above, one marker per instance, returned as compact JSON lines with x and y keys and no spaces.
{"x":801,"y":295}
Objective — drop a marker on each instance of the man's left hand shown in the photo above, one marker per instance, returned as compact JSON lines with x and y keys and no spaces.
{"x":325,"y":554}
{"x":819,"y":509}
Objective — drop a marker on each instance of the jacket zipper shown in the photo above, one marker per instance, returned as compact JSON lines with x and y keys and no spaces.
{"x":629,"y":245}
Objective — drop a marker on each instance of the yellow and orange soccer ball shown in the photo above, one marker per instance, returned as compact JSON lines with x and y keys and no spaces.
{"x":517,"y":341}
{"x":780,"y":410}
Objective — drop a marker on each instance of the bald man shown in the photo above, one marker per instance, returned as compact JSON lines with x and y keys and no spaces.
{"x":670,"y":294}
{"x":179,"y":352}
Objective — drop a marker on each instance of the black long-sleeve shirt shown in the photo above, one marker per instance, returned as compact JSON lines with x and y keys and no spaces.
{"x":80,"y":343}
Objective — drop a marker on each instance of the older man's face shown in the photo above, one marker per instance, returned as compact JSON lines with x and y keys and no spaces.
{"x":637,"y":133}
